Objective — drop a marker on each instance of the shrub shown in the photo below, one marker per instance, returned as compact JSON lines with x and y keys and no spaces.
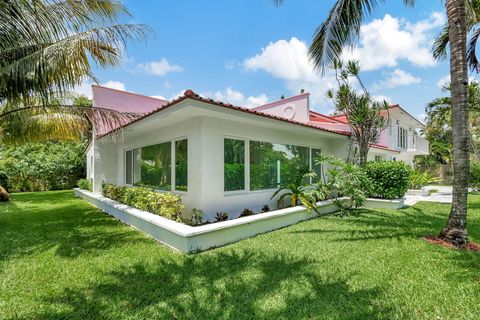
{"x":389,"y":179}
{"x":85,"y":184}
{"x":418,"y":180}
{"x":197,"y":217}
{"x":344,"y":180}
{"x":247,"y":212}
{"x":265,"y":208}
{"x":4,"y":196}
{"x":221,"y":216}
{"x":164,"y":204}
{"x":42,"y":166}
{"x":474,"y":178}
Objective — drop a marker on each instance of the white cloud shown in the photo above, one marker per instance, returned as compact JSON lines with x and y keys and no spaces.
{"x":421,"y":117}
{"x":397,"y":78}
{"x":114,"y":85}
{"x":288,"y":60}
{"x":385,"y":42}
{"x":237,"y":98}
{"x":85,"y":89}
{"x":443,"y":81}
{"x":381,"y":98}
{"x":159,"y":68}
{"x":159,"y":97}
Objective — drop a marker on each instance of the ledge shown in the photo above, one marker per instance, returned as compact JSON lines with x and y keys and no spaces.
{"x":187,"y":239}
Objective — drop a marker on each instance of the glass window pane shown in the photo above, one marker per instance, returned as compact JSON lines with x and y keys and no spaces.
{"x":128,"y":167}
{"x":272,"y":165}
{"x":152,"y":166}
{"x":317,"y":168}
{"x":181,"y":165}
{"x":234,"y":165}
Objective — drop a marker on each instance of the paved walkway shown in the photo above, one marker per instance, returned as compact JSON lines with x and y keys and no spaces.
{"x":443,"y":195}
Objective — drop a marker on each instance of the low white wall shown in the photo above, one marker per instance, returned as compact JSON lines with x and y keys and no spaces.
{"x":189,"y":239}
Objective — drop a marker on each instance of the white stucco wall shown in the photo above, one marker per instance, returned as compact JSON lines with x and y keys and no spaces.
{"x":205,"y":127}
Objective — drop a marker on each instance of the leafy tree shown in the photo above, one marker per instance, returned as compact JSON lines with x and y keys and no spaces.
{"x":46,"y":49}
{"x":342,"y":27}
{"x":440,"y":45}
{"x":438,"y":128}
{"x":367,"y":118}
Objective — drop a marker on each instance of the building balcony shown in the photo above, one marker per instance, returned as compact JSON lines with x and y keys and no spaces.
{"x":419,"y":146}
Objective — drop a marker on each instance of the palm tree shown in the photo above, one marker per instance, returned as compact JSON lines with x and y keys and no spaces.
{"x":473,"y":19}
{"x":46,"y":49}
{"x":439,"y":117}
{"x":366,"y":117}
{"x":342,"y":28}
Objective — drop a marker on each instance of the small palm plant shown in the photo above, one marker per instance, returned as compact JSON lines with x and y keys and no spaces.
{"x":296,"y":188}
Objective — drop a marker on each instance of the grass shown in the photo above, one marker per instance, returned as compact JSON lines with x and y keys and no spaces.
{"x":60,"y":258}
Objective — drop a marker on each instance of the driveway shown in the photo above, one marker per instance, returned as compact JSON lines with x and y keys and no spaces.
{"x":443,"y":194}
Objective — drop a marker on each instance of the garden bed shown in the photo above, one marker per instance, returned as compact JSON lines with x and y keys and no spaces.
{"x":190,"y":239}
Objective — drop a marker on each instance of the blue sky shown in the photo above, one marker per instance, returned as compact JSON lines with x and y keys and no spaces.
{"x":250,"y":52}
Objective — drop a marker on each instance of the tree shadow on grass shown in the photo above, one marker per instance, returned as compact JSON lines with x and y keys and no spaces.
{"x":218,"y":285}
{"x":36,"y":223}
{"x":366,"y":224}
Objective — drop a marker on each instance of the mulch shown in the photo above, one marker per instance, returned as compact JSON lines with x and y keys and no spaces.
{"x":470,"y":246}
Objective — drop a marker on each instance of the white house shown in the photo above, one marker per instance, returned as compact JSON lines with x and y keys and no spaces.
{"x":221,"y":157}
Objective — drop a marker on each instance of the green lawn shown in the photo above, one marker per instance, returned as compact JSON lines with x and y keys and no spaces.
{"x":61,"y":258}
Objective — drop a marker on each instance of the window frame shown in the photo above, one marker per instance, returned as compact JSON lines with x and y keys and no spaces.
{"x":172,"y":159}
{"x":247,"y":189}
{"x":246,"y":167}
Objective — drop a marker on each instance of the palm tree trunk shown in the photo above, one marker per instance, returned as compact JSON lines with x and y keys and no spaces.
{"x":456,"y":228}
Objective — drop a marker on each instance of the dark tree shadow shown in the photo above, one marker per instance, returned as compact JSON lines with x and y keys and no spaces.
{"x":219,"y":285}
{"x":57,"y":220}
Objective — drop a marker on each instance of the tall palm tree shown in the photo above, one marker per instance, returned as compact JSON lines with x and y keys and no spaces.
{"x":439,"y":116}
{"x":342,"y":27}
{"x":473,"y":20}
{"x":46,"y":49}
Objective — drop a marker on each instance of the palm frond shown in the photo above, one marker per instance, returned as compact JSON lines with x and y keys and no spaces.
{"x":63,"y":64}
{"x":471,"y":51}
{"x":440,"y":44}
{"x":39,"y":123}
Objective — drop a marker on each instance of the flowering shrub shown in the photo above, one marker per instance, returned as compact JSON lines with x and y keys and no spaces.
{"x":389,"y":179}
{"x":164,"y":204}
{"x":85,"y":184}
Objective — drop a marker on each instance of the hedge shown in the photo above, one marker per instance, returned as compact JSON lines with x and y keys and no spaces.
{"x":42,"y":166}
{"x":85,"y":184}
{"x":164,"y":204}
{"x":389,"y":179}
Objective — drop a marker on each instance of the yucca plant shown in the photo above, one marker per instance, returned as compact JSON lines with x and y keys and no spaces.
{"x":295,"y":188}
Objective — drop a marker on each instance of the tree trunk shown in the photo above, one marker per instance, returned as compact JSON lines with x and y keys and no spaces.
{"x":456,"y":229}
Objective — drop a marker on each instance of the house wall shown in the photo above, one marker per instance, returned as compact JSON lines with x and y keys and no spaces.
{"x":213,"y":197}
{"x":90,"y":156}
{"x":293,"y":108}
{"x":205,"y":158}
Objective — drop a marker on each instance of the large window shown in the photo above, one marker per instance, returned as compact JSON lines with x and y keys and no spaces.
{"x":151,"y":166}
{"x":272,"y":164}
{"x":155,"y":166}
{"x":402,"y":138}
{"x":181,"y":165}
{"x":234,"y":165}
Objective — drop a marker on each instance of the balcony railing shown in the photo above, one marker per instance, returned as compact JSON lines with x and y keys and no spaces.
{"x":419,"y":145}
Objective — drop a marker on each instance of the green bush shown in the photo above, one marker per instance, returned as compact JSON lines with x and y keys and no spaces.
{"x":42,"y":166}
{"x":164,"y":204}
{"x":85,"y":184}
{"x":389,"y":179}
{"x":474,"y":178}
{"x":418,"y":180}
